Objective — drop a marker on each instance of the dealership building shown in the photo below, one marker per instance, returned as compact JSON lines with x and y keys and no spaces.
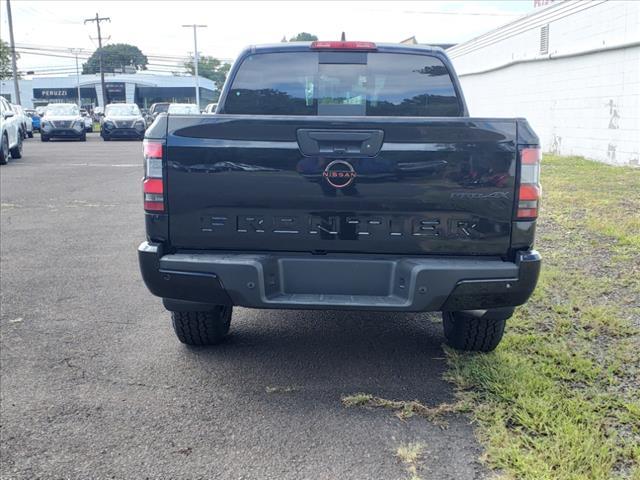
{"x":141,"y":88}
{"x":571,"y":68}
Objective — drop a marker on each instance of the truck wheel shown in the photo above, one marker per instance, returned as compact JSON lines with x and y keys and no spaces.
{"x":475,"y":333}
{"x":202,"y":328}
{"x":16,"y":152}
{"x":4,"y":150}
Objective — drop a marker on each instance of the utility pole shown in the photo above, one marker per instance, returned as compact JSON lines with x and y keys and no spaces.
{"x":196,"y":58}
{"x":14,"y":65}
{"x":76,"y":51}
{"x":99,"y":19}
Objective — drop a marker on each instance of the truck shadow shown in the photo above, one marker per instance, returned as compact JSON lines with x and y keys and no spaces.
{"x":391,"y":355}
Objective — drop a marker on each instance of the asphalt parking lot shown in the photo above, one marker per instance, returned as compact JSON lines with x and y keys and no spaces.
{"x":95,"y":384}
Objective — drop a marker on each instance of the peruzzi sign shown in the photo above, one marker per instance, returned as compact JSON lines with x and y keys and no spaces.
{"x":54,"y":92}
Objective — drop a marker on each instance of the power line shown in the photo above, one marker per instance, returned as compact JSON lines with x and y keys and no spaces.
{"x":159,"y":62}
{"x":473,"y":14}
{"x":166,"y":64}
{"x":150,"y":56}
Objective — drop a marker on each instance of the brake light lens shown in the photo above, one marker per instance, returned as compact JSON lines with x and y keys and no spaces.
{"x":152,"y":148}
{"x":153,"y":181}
{"x":337,"y":45}
{"x":529,"y":191}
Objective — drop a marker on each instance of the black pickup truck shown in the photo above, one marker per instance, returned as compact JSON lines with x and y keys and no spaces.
{"x":341,"y":175}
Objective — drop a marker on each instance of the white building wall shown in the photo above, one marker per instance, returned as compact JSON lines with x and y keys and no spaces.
{"x":25,"y":87}
{"x":583,"y":97}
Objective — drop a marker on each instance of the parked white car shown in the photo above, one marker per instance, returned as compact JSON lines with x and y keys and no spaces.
{"x":183,"y":109}
{"x":26,"y":127}
{"x":10,"y":138}
{"x":211,"y":108}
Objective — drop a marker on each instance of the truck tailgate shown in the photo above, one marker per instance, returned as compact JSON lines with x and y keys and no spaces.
{"x":341,"y":184}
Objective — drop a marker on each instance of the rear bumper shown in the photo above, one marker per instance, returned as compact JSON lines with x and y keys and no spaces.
{"x":64,"y":133}
{"x":122,"y":133}
{"x":299,"y":281}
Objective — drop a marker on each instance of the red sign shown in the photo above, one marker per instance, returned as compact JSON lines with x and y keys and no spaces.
{"x":542,"y":3}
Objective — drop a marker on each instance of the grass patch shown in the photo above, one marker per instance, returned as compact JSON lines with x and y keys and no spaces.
{"x":559,"y":397}
{"x":410,"y":455}
{"x":405,"y":409}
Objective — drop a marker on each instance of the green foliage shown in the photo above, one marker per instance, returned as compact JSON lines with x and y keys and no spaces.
{"x":211,"y":68}
{"x":5,"y":60}
{"x":558,"y":398}
{"x":304,"y":37}
{"x":116,"y":56}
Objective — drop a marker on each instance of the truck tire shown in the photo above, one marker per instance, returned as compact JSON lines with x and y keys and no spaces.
{"x":16,"y":152}
{"x":475,"y":333}
{"x":4,"y":150}
{"x":202,"y":328}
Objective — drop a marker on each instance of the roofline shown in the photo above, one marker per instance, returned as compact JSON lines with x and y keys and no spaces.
{"x":534,"y":19}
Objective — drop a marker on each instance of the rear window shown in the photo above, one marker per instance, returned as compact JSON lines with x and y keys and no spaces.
{"x":343,"y":83}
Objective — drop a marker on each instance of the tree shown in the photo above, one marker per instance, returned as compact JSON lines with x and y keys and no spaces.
{"x":116,"y":56}
{"x":5,"y":60}
{"x":211,"y":68}
{"x":304,"y":37}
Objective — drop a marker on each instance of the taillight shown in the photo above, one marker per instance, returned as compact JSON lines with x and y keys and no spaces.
{"x":337,"y":45}
{"x":529,"y":191}
{"x":153,"y":181}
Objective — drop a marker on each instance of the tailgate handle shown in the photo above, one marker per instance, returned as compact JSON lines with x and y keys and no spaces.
{"x":340,"y":142}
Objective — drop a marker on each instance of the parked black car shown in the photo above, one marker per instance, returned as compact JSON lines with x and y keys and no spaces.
{"x":341,"y":175}
{"x":155,"y":109}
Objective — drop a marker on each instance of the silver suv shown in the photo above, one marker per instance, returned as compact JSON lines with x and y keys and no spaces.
{"x":122,"y":120}
{"x":62,"y":120}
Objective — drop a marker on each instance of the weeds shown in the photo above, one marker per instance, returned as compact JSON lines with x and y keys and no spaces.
{"x":410,"y":455}
{"x":559,"y":397}
{"x":405,"y":409}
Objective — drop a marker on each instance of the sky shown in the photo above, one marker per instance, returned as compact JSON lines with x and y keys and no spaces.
{"x":155,"y":26}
